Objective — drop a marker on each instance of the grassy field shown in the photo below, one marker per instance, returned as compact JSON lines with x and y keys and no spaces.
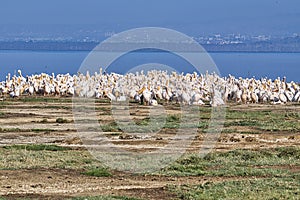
{"x":250,"y":174}
{"x":257,"y":156}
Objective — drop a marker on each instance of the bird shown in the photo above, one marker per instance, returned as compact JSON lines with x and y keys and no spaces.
{"x":153,"y":102}
{"x":296,"y":98}
{"x":155,"y":85}
{"x":244,"y":96}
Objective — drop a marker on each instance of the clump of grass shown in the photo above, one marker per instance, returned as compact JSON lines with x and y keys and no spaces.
{"x":61,"y":120}
{"x":268,"y":188}
{"x":288,"y":152}
{"x":98,"y":172}
{"x":203,"y":124}
{"x":143,"y":122}
{"x":37,"y":147}
{"x":172,"y":121}
{"x":173,"y":118}
{"x":5,"y":130}
{"x":111,"y":127}
{"x":242,"y":123}
{"x":37,"y":130}
{"x":44,"y":121}
{"x":105,"y":198}
{"x":188,"y":166}
{"x":292,"y":115}
{"x":45,"y":99}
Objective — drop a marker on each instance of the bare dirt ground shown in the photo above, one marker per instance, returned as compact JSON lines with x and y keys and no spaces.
{"x":62,"y":184}
{"x":36,"y":123}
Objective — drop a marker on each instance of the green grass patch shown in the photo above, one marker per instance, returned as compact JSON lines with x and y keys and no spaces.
{"x":143,"y":122}
{"x":38,"y":147}
{"x":237,"y":163}
{"x":45,"y":99}
{"x":40,"y":156}
{"x":288,"y":152}
{"x":172,"y":121}
{"x":98,"y":172}
{"x":110,"y":127}
{"x":269,"y":188}
{"x":105,"y":198}
{"x":264,"y":120}
{"x":256,"y":121}
{"x":173,"y":118}
{"x":242,"y":123}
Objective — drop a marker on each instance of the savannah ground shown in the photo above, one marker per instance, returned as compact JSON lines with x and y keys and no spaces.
{"x":257,"y":155}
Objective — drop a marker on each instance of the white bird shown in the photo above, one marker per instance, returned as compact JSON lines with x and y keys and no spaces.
{"x":283,"y":98}
{"x":217,"y":99}
{"x":153,"y":102}
{"x":154,"y":85}
{"x":296,"y":98}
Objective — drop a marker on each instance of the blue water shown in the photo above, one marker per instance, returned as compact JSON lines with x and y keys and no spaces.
{"x":270,"y":65}
{"x":32,"y":62}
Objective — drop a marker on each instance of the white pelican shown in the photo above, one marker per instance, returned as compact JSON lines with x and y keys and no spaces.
{"x":296,"y":98}
{"x":154,"y":85}
{"x":153,"y":102}
{"x":244,"y":96}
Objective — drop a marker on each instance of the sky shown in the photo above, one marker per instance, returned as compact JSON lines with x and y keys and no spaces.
{"x":79,"y":18}
{"x":189,"y":16}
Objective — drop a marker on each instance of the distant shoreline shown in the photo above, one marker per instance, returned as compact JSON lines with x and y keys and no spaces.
{"x":89,"y":46}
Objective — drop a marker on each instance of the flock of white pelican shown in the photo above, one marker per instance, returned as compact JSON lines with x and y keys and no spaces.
{"x":153,"y":86}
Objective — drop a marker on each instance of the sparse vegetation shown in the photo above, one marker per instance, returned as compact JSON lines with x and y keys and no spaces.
{"x":61,"y":120}
{"x":45,"y":99}
{"x":37,"y":147}
{"x":267,"y":174}
{"x":45,"y":156}
{"x":264,"y":120}
{"x":111,"y":127}
{"x":4,"y":130}
{"x":268,"y":188}
{"x":105,"y":198}
{"x":238,"y":163}
{"x":98,"y":172}
{"x":44,"y":121}
{"x":257,"y":173}
{"x":37,"y":130}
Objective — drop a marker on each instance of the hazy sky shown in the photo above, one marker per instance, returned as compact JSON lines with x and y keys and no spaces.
{"x":189,"y":16}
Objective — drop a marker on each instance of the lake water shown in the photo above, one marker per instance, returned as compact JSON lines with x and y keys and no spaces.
{"x":259,"y":65}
